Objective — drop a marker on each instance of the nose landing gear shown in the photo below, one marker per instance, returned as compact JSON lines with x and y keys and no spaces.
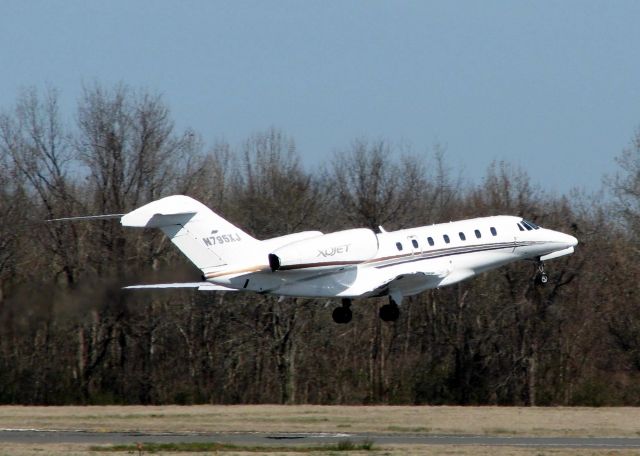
{"x":541,"y":277}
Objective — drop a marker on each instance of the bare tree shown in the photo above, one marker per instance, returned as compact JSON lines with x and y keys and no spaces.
{"x":273,"y":193}
{"x":35,"y":140}
{"x":372,"y":189}
{"x":625,"y":184}
{"x":68,"y":334}
{"x":12,"y":221}
{"x":126,"y":140}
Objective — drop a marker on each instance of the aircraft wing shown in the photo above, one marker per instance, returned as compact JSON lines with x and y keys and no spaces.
{"x":201,"y":286}
{"x":412,"y":279}
{"x":409,"y":281}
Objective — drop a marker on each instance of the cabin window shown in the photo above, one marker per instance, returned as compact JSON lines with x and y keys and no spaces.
{"x":493,"y":231}
{"x":478,"y":235}
{"x":399,"y":246}
{"x":446,"y":238}
{"x":520,"y":227}
{"x":415,"y":243}
{"x":430,"y":241}
{"x":462,"y":236}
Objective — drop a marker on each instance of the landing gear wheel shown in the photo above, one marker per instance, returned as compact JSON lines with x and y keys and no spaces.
{"x":541,"y":277}
{"x":342,"y":314}
{"x":389,"y":312}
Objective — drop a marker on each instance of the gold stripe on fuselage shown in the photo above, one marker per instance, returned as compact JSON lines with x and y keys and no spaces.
{"x":383,"y":262}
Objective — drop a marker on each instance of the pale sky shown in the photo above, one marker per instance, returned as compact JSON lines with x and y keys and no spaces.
{"x":551,"y":86}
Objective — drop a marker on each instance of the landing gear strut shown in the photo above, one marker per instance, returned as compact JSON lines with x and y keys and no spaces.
{"x":342,"y":314}
{"x":541,"y":276}
{"x":390,"y":312}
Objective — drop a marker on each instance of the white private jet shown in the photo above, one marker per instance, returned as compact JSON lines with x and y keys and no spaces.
{"x":355,"y":263}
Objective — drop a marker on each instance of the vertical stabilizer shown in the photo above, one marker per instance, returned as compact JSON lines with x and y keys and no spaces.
{"x":208,"y":240}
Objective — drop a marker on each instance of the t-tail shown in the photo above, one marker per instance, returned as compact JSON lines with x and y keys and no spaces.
{"x":209,"y":241}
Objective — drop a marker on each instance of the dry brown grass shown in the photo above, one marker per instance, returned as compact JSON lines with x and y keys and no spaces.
{"x":559,"y":421}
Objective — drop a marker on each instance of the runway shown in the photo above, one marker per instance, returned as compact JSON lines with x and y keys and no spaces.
{"x":35,"y":436}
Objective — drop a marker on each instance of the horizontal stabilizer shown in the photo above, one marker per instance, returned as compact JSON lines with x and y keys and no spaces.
{"x":86,"y":217}
{"x":201,"y":286}
{"x":145,"y":219}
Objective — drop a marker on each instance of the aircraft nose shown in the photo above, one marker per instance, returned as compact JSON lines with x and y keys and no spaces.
{"x":571,"y":241}
{"x":565,"y":240}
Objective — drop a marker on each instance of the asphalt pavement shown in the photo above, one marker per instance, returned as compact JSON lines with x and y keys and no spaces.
{"x":303,"y":439}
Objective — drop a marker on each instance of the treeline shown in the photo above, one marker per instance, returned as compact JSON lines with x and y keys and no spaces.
{"x":70,"y":334}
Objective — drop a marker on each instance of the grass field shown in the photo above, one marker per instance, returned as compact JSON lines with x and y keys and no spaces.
{"x":502,"y":421}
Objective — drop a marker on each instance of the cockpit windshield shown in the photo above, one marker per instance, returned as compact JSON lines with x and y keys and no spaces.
{"x":529,"y":225}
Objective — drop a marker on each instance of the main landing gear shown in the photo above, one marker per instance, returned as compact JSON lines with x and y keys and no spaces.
{"x":391,"y":311}
{"x":388,"y":312}
{"x":541,"y":277}
{"x":342,"y":314}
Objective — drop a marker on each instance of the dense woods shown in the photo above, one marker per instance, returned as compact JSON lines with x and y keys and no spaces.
{"x":70,"y":334}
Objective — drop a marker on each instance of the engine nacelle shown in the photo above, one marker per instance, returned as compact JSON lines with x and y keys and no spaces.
{"x":339,"y":248}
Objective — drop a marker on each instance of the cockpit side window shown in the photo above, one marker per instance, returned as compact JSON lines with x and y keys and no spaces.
{"x":527,"y":225}
{"x":520,"y":227}
{"x":531,"y":224}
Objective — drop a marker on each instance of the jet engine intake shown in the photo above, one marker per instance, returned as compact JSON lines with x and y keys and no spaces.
{"x":333,"y":249}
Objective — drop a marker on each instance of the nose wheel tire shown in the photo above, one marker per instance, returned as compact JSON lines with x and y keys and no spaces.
{"x":541,"y":277}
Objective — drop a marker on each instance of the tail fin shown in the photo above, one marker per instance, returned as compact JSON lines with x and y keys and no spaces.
{"x":208,"y":240}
